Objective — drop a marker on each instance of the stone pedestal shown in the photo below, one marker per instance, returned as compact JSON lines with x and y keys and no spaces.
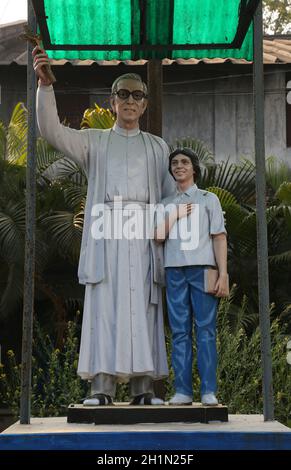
{"x":123,"y":413}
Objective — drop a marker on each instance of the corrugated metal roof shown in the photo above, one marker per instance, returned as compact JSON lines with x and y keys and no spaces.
{"x":277,"y":50}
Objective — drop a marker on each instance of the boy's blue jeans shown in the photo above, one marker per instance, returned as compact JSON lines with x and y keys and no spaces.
{"x":187,"y":300}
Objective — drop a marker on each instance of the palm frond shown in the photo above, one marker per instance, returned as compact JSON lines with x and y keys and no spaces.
{"x":277,"y":172}
{"x":234,"y":216}
{"x":205,"y":156}
{"x":237,"y":179}
{"x":12,"y":182}
{"x":75,"y":195}
{"x":65,"y":229}
{"x":67,"y":169}
{"x":12,"y":229}
{"x":16,"y":136}
{"x":224,"y":173}
{"x":244,"y":235}
{"x":98,"y":118}
{"x":281,"y":258}
{"x":243,"y":185}
{"x":281,"y":213}
{"x":283,"y":192}
{"x":224,"y":196}
{"x":46,"y":156}
{"x":2,"y":141}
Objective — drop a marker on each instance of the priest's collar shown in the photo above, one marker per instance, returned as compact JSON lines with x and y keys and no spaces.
{"x":126,"y":133}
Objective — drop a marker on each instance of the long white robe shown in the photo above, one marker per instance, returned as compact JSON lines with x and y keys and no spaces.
{"x":122,"y":331}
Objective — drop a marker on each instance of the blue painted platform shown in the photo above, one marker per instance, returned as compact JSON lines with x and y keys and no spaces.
{"x":242,"y":432}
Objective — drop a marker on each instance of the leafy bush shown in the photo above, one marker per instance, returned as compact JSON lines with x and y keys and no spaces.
{"x":240,"y":368}
{"x":55,"y":382}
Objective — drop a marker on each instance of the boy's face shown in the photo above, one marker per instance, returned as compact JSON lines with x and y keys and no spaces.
{"x":182,"y":169}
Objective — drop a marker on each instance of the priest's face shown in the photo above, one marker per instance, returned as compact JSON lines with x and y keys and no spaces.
{"x":130,"y":108}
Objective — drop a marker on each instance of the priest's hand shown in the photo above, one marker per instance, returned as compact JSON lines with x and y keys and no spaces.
{"x":41,"y":65}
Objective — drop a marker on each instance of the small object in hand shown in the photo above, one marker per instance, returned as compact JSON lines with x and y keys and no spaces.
{"x":35,"y":40}
{"x":211,"y":276}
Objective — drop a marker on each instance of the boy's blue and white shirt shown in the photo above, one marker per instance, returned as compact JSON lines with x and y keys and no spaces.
{"x":195,"y":246}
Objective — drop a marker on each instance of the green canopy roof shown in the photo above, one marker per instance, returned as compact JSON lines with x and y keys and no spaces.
{"x":146,"y":29}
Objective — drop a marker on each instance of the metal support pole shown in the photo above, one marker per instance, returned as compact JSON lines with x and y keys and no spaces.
{"x":155,"y":88}
{"x":155,"y":126}
{"x":262,"y":236}
{"x":29,"y":266}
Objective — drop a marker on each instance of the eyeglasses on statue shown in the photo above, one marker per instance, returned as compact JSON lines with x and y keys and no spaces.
{"x":137,"y":95}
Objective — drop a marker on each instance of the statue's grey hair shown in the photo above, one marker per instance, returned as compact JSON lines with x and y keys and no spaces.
{"x":129,"y":76}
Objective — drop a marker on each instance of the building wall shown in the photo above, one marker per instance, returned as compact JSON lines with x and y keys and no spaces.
{"x":220,"y":113}
{"x":13,"y":90}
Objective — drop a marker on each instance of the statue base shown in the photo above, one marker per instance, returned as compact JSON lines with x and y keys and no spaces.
{"x":123,"y":413}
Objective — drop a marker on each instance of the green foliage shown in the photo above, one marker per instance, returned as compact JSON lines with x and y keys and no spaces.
{"x":55,"y":379}
{"x":55,"y":382}
{"x":98,"y":118}
{"x":10,"y":379}
{"x":13,"y":138}
{"x":65,"y":229}
{"x":277,"y":16}
{"x":237,"y":179}
{"x":225,"y":197}
{"x":205,"y":156}
{"x":239,"y":367}
{"x":277,"y":172}
{"x":284,"y":192}
{"x":240,"y":370}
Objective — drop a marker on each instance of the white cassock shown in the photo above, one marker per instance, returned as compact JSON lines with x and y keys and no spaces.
{"x":122,"y":332}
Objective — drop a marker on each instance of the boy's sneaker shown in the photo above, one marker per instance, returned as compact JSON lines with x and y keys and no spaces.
{"x":209,"y":399}
{"x":180,"y":399}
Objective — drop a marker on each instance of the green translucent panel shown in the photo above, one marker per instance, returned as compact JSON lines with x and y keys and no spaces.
{"x":86,"y":22}
{"x":89,"y":22}
{"x":158,"y":22}
{"x":215,"y":22}
{"x":245,"y":52}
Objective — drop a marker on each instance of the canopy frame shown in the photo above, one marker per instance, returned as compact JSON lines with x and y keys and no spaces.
{"x":262,"y":237}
